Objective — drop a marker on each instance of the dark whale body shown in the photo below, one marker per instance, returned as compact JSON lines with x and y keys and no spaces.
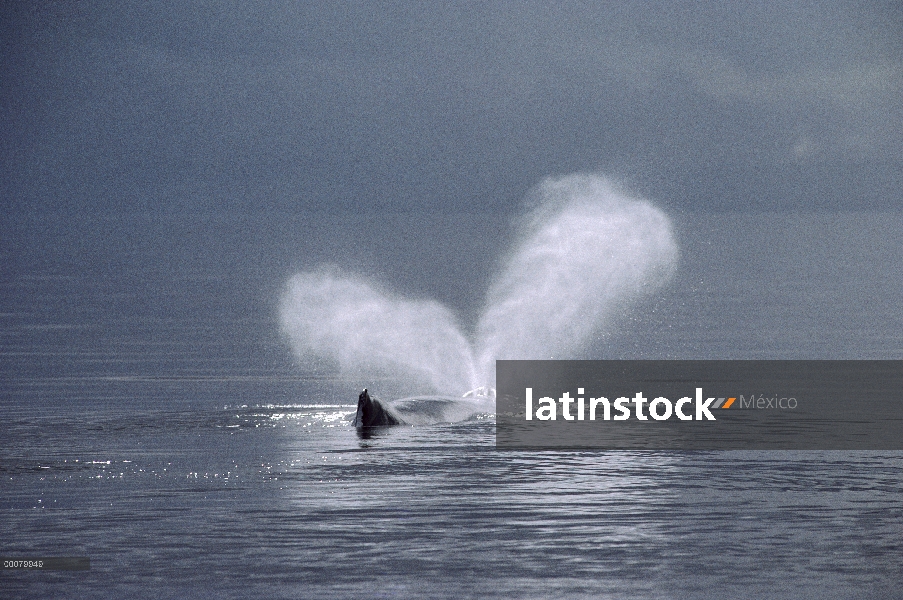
{"x":371,"y":413}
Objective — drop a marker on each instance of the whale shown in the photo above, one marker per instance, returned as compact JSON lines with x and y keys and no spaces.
{"x":423,"y":410}
{"x":372,"y":413}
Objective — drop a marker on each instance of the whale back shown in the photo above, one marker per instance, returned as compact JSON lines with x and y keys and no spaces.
{"x":373,"y":413}
{"x":421,"y":410}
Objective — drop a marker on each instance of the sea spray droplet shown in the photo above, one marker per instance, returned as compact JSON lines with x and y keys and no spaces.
{"x":582,"y":254}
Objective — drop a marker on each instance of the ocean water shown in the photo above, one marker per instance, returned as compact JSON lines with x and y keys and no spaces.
{"x":153,"y":421}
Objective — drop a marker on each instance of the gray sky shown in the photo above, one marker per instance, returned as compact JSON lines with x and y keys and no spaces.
{"x":375,"y":106}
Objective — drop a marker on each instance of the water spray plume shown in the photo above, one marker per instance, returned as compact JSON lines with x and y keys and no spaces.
{"x":583,"y":253}
{"x":366,"y":331}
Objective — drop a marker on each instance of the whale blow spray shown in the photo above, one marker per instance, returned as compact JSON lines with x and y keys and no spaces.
{"x":583,"y":253}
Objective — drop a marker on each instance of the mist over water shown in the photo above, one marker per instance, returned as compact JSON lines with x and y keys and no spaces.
{"x":583,"y":253}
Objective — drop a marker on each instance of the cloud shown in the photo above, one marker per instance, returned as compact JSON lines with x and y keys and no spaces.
{"x":363,"y":104}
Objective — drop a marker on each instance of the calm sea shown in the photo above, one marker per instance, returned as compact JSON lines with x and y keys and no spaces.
{"x":152,"y":421}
